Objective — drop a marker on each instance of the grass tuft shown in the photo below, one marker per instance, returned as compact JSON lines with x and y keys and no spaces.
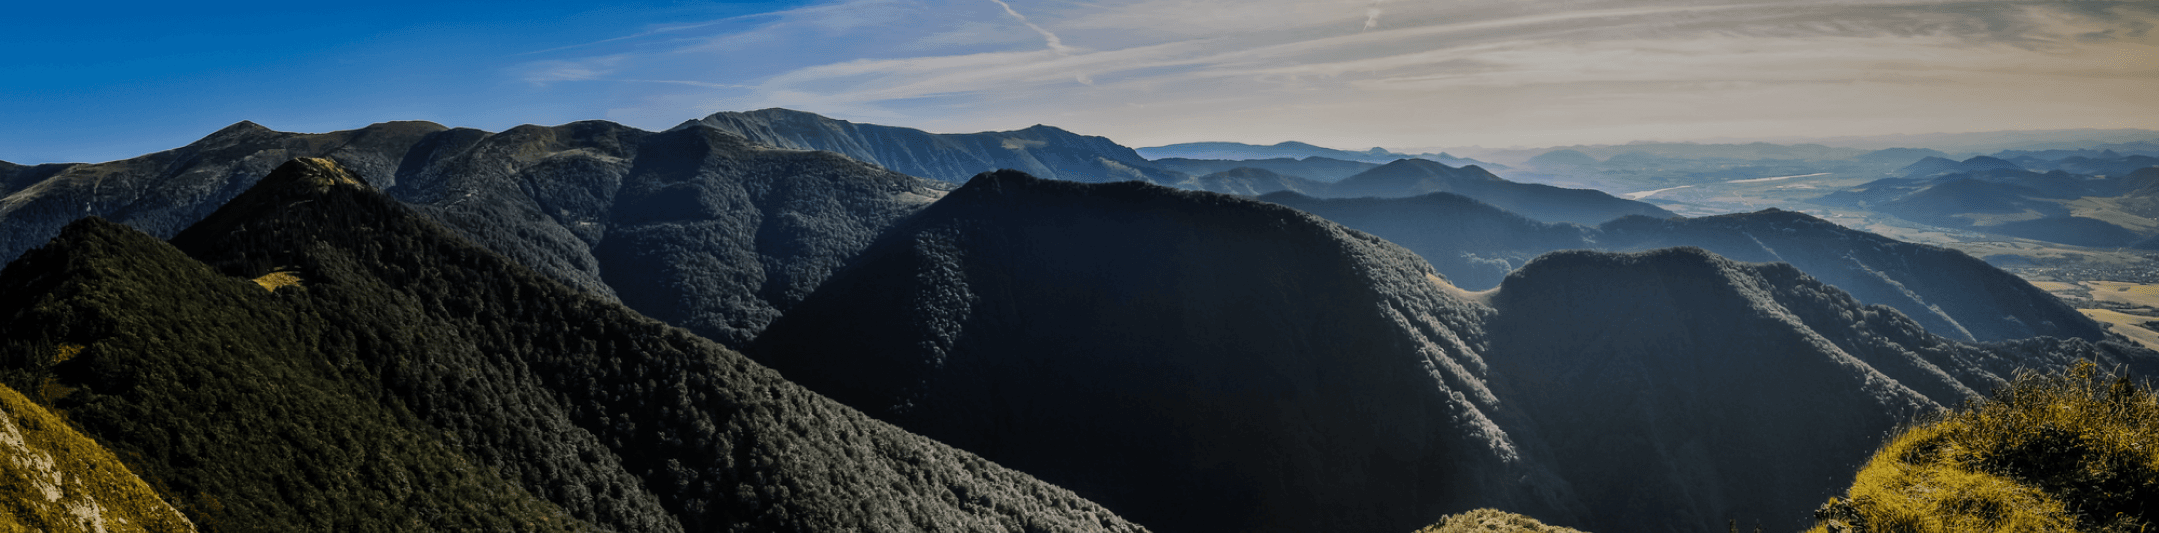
{"x":1492,"y":521}
{"x":2074,"y":451}
{"x":282,"y":278}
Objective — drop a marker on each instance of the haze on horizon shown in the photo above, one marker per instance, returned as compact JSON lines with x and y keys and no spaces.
{"x":1351,"y":74}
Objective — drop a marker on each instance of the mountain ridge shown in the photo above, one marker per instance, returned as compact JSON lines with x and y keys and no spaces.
{"x":582,"y":406}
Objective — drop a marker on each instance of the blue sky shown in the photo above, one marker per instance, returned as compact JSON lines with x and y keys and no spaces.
{"x":89,"y":81}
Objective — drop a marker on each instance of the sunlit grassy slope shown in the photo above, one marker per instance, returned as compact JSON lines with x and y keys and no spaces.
{"x":1492,"y":521}
{"x":2077,"y":451}
{"x":53,"y":479}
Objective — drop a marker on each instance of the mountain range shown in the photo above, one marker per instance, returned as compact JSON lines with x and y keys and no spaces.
{"x":1040,"y":150}
{"x":1229,"y":151}
{"x":395,"y":376}
{"x":409,"y":315}
{"x":2116,"y":208}
{"x":1241,"y":328}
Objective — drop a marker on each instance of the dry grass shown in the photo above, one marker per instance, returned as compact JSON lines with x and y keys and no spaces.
{"x":2077,"y":451}
{"x":65,"y":352}
{"x":1492,"y":521}
{"x":282,"y":278}
{"x":2128,"y":325}
{"x":53,"y":479}
{"x":2136,"y":294}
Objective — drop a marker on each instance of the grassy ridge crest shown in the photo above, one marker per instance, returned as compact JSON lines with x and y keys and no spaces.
{"x":2073,"y":451}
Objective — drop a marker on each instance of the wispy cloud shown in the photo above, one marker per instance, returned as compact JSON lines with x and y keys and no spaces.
{"x":1055,"y":44}
{"x":1410,"y":73}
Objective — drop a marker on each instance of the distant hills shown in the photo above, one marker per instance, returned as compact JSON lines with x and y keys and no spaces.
{"x":1291,"y":150}
{"x":2114,"y":208}
{"x":412,"y":381}
{"x":1041,"y":150}
{"x":1412,"y":177}
{"x":1313,"y":168}
{"x":1950,"y":293}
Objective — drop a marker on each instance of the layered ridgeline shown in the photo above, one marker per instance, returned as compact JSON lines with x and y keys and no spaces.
{"x":1201,"y":362}
{"x":1230,"y":152}
{"x":1952,"y":294}
{"x":1416,"y":177}
{"x":695,"y":227}
{"x":1043,"y":151}
{"x":396,"y":377}
{"x":164,"y":192}
{"x":2080,"y":201}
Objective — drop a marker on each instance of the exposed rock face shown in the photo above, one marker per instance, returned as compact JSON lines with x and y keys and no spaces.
{"x":53,"y":479}
{"x":1181,"y":354}
{"x":1042,"y":151}
{"x":415,"y":381}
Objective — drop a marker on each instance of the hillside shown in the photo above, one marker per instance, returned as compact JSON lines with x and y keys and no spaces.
{"x":1178,"y":355}
{"x":1948,"y":292}
{"x":1313,"y":168}
{"x":1472,"y":243}
{"x":695,"y":227}
{"x":1694,"y":389}
{"x":1411,"y":177}
{"x":692,"y":226}
{"x":1040,"y":150}
{"x":1247,"y":181}
{"x":1230,"y":151}
{"x":414,"y":381}
{"x":1195,"y":361}
{"x":2063,"y":451}
{"x":164,"y":192}
{"x":52,"y":479}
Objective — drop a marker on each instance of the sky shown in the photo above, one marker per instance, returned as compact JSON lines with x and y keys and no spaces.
{"x":97,"y":81}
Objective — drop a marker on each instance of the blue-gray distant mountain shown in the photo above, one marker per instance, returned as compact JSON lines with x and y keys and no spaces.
{"x":1952,"y":294}
{"x":1411,"y":177}
{"x":1901,"y":156}
{"x":1935,"y":166}
{"x":1252,"y":182}
{"x":1204,"y":362}
{"x":1292,"y":150}
{"x":1313,"y":168}
{"x":1041,"y":150}
{"x":2055,"y":205}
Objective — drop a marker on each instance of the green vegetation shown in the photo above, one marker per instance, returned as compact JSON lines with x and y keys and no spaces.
{"x":1492,"y":521}
{"x":417,"y":382}
{"x":2075,"y":451}
{"x":54,"y":480}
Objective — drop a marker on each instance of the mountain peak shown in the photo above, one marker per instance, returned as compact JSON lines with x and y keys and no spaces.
{"x":319,"y":173}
